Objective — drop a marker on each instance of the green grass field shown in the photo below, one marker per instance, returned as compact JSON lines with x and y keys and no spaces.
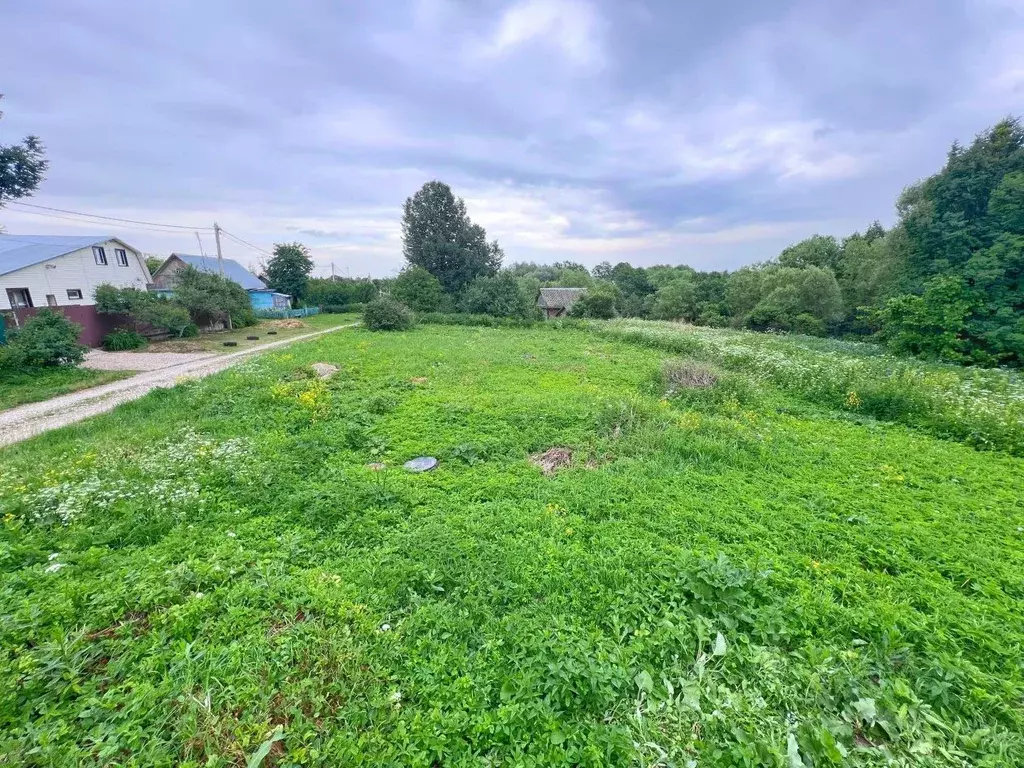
{"x":20,"y":387}
{"x":751,"y":574}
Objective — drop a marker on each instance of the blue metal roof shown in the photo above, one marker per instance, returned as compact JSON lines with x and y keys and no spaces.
{"x":20,"y":251}
{"x":232,"y":270}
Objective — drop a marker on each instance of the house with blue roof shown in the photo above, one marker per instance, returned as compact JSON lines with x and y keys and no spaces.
{"x":166,"y":278}
{"x":64,"y":270}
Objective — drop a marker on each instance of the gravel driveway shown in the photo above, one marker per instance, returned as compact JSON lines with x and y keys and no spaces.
{"x":20,"y":423}
{"x":141,"y":361}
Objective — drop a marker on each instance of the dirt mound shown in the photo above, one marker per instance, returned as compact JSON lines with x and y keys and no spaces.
{"x":552,"y":460}
{"x":288,"y":324}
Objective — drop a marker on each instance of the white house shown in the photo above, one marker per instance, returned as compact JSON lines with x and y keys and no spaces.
{"x":60,"y":271}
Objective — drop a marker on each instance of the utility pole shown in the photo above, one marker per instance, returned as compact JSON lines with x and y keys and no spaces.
{"x":220,"y":263}
{"x":220,"y":256}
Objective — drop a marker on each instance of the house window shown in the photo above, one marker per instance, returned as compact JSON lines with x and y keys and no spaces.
{"x":100,"y":254}
{"x":74,"y":294}
{"x":122,"y":257}
{"x":20,"y":298}
{"x":51,"y":300}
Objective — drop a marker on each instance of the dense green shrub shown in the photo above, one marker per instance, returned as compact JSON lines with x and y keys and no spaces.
{"x":386,"y":314}
{"x":488,"y":321}
{"x":10,"y":358}
{"x":931,"y":325}
{"x":499,"y":296}
{"x":342,"y":309}
{"x":418,"y":289}
{"x":597,"y":303}
{"x":143,"y":308}
{"x":123,"y":339}
{"x":211,"y":298}
{"x":676,"y":300}
{"x":48,"y":338}
{"x":322,"y":291}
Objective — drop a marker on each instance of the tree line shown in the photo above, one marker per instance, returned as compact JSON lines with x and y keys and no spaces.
{"x":943,"y":282}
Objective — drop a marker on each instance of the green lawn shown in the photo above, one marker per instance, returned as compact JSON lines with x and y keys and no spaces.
{"x":18,"y":388}
{"x":744,"y":575}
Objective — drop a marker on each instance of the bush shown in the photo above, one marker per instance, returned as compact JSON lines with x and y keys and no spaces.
{"x":48,"y":339}
{"x":933,"y":324}
{"x":498,"y":296}
{"x":143,"y":308}
{"x":386,"y":314}
{"x":597,"y":303}
{"x":487,"y":321}
{"x":210,"y":298}
{"x":809,"y":325}
{"x":342,"y":309}
{"x":123,"y":339}
{"x":10,"y":358}
{"x":243,"y":317}
{"x":418,"y":289}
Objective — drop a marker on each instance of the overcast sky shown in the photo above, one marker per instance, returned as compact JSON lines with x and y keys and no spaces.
{"x":653,"y":131}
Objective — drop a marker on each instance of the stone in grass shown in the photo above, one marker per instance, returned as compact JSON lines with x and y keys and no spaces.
{"x":552,"y":460}
{"x":252,"y":338}
{"x":421,"y":464}
{"x":230,"y":343}
{"x":324,"y":370}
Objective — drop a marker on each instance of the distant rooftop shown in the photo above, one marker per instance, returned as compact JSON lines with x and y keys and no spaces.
{"x":232,"y":270}
{"x":558,"y":298}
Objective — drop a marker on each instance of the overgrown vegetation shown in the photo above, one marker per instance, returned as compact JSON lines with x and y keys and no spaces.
{"x":144,"y":309}
{"x":210,"y":298}
{"x":386,"y":314}
{"x":736,"y":574}
{"x":48,"y":339}
{"x":123,"y":339}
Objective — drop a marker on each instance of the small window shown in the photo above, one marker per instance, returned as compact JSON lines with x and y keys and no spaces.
{"x":121,"y":256}
{"x":100,"y":254}
{"x":20,"y":298}
{"x":51,"y":300}
{"x":74,"y":294}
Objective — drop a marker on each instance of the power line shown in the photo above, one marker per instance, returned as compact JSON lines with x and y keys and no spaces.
{"x":106,"y":218}
{"x":97,"y":223}
{"x":246,"y":243}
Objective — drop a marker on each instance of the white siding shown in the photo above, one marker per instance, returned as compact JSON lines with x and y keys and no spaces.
{"x":76,"y":270}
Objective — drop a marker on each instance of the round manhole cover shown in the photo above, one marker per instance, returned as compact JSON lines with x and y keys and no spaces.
{"x":421,"y":464}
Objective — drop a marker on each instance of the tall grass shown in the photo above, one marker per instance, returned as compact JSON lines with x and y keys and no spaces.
{"x":981,"y":407}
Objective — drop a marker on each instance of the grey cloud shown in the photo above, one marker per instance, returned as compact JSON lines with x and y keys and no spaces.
{"x":601,"y":125}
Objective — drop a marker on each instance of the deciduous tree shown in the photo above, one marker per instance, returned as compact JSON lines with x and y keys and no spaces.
{"x":289,"y":268}
{"x":437,"y":234}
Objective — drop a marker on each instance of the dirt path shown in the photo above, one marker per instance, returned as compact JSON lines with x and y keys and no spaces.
{"x":20,"y":423}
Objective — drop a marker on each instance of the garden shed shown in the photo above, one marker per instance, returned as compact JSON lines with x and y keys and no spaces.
{"x":556,"y":302}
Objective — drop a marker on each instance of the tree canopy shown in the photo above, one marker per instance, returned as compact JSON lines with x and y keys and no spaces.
{"x":22,"y":167}
{"x":418,"y":289}
{"x":289,"y":268}
{"x":438,"y":235}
